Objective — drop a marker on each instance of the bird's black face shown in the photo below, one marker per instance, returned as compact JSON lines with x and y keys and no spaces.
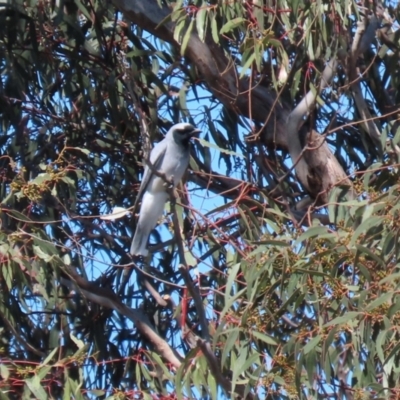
{"x":183,"y":133}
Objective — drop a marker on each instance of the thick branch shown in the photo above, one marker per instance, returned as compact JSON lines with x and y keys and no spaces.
{"x":315,"y":165}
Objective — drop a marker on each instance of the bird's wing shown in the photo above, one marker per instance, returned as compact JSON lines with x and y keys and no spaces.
{"x":156,"y":158}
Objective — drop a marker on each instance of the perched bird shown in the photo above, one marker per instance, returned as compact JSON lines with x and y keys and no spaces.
{"x":170,"y":157}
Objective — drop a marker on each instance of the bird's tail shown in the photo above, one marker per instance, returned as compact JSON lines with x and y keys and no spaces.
{"x":139,"y":243}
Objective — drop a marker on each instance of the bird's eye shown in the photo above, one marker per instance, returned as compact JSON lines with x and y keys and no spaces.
{"x":185,"y":131}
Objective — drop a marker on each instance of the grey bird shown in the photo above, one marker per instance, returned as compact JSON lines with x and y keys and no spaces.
{"x":170,"y":157}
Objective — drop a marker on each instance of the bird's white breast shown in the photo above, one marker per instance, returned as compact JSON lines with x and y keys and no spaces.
{"x":173,"y":166}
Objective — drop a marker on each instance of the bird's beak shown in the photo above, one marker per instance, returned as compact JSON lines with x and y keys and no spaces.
{"x":195,"y":132}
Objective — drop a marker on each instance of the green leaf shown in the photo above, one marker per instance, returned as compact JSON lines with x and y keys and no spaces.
{"x":258,"y":50}
{"x":43,"y":371}
{"x":312,"y":344}
{"x":379,"y":344}
{"x":254,"y":359}
{"x":295,"y":7}
{"x":160,"y":363}
{"x":364,"y":227}
{"x":230,"y":300}
{"x":84,"y":10}
{"x":50,"y":356}
{"x":396,"y":138}
{"x":392,"y":353}
{"x":390,"y":278}
{"x":228,"y":345}
{"x":44,"y":177}
{"x":265,"y":338}
{"x":379,"y":301}
{"x":231,"y":25}
{"x":315,"y":231}
{"x":351,"y":315}
{"x":295,"y":85}
{"x":3,"y":396}
{"x":372,"y":255}
{"x":79,"y":343}
{"x":180,"y":25}
{"x":96,"y":392}
{"x":201,"y":21}
{"x":259,"y":14}
{"x":239,"y":366}
{"x":186,"y":37}
{"x":41,"y":254}
{"x":214,"y":146}
{"x":214,"y":28}
{"x":233,"y":271}
{"x":212,"y":386}
{"x":4,"y":372}
{"x":18,"y":216}
{"x":84,"y":151}
{"x":36,"y":388}
{"x":247,"y":64}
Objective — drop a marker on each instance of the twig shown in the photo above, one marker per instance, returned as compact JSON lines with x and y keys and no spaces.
{"x":156,"y":296}
{"x":197,"y":301}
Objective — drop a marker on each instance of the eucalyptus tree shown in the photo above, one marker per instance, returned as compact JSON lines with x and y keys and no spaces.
{"x":274,"y":272}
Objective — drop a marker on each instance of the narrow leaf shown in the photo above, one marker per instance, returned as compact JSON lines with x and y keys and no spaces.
{"x":343,"y":318}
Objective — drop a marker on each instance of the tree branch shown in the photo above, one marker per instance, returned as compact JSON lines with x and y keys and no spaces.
{"x":109,"y":299}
